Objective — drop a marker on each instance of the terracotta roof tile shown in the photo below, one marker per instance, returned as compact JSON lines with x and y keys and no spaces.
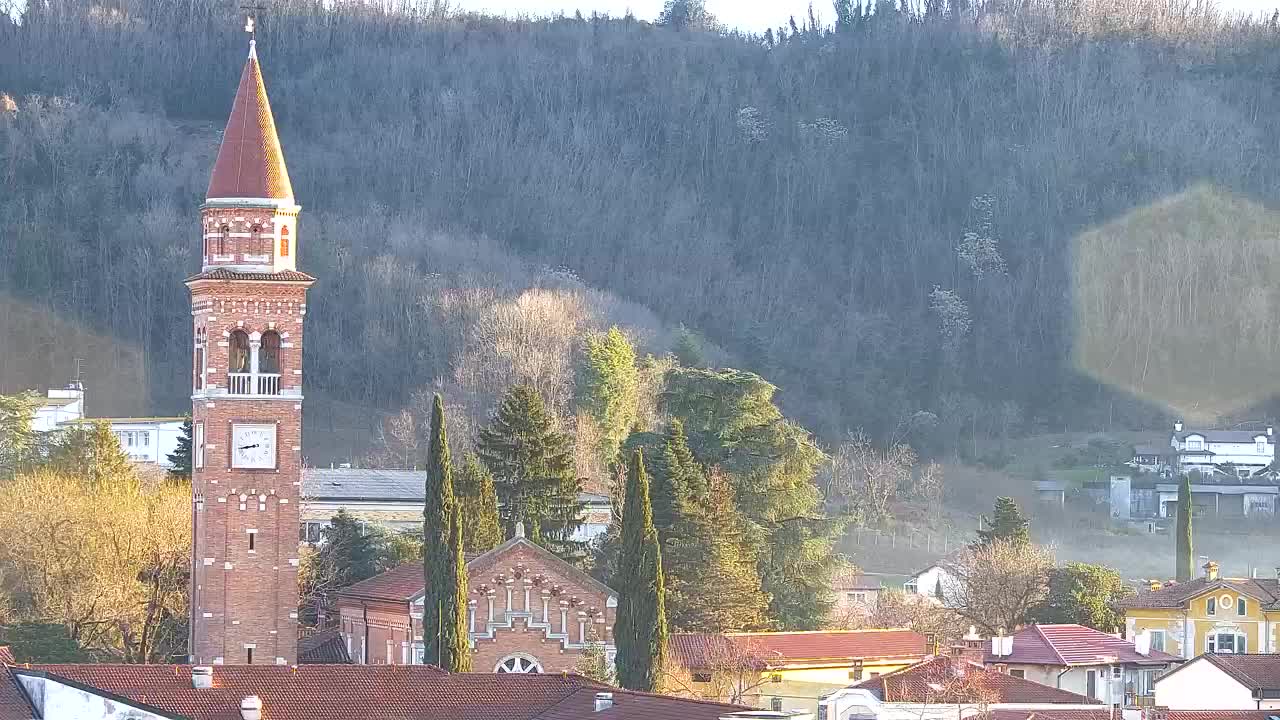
{"x":329,"y":692}
{"x":250,"y":162}
{"x":946,"y":679}
{"x":224,"y":274}
{"x":13,"y":702}
{"x":628,"y":705}
{"x":1176,"y":595}
{"x":1254,"y":670}
{"x":324,"y":647}
{"x":1070,"y":644}
{"x":698,"y":650}
{"x":406,"y":582}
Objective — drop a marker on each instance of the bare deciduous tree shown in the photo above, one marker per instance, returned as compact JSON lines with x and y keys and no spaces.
{"x":995,"y":586}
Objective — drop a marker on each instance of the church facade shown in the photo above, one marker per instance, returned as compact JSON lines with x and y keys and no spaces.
{"x":248,"y":303}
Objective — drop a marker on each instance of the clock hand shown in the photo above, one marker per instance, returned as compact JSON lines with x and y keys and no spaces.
{"x":248,"y":447}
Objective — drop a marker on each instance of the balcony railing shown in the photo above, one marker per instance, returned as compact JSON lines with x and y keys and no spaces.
{"x":253,"y":383}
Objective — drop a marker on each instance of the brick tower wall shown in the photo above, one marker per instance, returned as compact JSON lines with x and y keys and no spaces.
{"x":243,"y":597}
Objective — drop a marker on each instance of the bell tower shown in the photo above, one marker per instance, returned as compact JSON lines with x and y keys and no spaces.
{"x":247,"y":304}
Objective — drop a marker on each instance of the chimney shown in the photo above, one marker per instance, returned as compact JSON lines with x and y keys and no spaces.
{"x":1142,"y":643}
{"x":202,"y":677}
{"x":604,"y":701}
{"x":1211,"y":571}
{"x":1177,"y":426}
{"x":519,"y":529}
{"x":251,"y":708}
{"x":1271,"y":431}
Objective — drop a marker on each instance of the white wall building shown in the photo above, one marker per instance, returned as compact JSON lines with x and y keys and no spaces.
{"x":1222,"y":682}
{"x":147,"y":440}
{"x":60,"y":406}
{"x":1247,"y":452}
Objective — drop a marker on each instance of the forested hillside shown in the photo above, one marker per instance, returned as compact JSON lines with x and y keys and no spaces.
{"x":880,"y":218}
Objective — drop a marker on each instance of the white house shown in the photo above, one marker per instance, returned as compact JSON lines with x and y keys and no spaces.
{"x":61,"y":405}
{"x":1246,"y":452}
{"x":1222,"y":682}
{"x":927,"y":582}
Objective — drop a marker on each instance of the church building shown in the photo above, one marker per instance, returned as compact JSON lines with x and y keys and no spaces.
{"x":247,"y":304}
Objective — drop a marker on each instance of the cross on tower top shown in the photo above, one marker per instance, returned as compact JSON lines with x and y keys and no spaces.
{"x":250,"y":26}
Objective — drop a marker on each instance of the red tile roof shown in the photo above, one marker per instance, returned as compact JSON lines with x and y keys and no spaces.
{"x":699,"y":650}
{"x":224,"y":274}
{"x":369,"y":692}
{"x":1176,"y":595}
{"x":629,"y":705}
{"x":1074,"y":645}
{"x":250,"y":162}
{"x":13,"y":702}
{"x":946,"y":679}
{"x":1102,"y":714}
{"x":406,"y":582}
{"x":1253,"y":670}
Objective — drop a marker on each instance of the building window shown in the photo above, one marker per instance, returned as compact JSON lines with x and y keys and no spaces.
{"x":518,"y":663}
{"x":284,"y":242}
{"x":856,"y":597}
{"x":248,"y":656}
{"x":1195,"y":444}
{"x":255,"y":240}
{"x":146,"y":439}
{"x":1157,"y":640}
{"x":1226,"y":643}
{"x":253,"y":545}
{"x":200,"y":363}
{"x":198,"y":442}
{"x":702,"y":677}
{"x":224,"y":238}
{"x":1242,"y":607}
{"x":776,"y":704}
{"x":1018,"y":673}
{"x":1211,"y":607}
{"x":238,"y":356}
{"x":269,"y":353}
{"x":909,"y":587}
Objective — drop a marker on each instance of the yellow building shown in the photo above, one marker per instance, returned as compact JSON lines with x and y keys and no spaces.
{"x":1207,"y":614}
{"x":786,"y":670}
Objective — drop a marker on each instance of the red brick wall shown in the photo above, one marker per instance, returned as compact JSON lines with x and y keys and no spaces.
{"x":254,"y":601}
{"x":519,"y":567}
{"x":241,"y":245}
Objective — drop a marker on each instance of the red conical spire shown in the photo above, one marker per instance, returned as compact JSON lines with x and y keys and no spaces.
{"x":250,"y":163}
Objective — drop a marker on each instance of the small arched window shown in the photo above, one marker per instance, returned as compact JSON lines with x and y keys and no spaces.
{"x":269,"y":353}
{"x":238,"y":359}
{"x":255,"y":240}
{"x":224,"y":239}
{"x":284,"y":242}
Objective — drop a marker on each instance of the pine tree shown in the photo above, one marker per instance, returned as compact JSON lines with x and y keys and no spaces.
{"x":17,"y":440}
{"x":688,"y":350}
{"x":1007,"y":523}
{"x":1185,"y":558}
{"x":678,"y":483}
{"x":608,"y":387}
{"x":90,"y":450}
{"x":711,"y":556}
{"x":533,"y":470}
{"x":444,"y":604}
{"x":641,"y":627}
{"x":477,"y":506}
{"x":181,"y":455}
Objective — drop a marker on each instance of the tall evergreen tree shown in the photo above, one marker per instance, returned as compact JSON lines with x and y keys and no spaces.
{"x":477,"y":506}
{"x":678,"y":483}
{"x":91,"y":450}
{"x":608,"y":387}
{"x":732,"y":423}
{"x":17,"y":439}
{"x":712,"y":556}
{"x":641,"y":627}
{"x":181,"y":455}
{"x":533,"y":469}
{"x":1185,"y":557}
{"x":1007,"y":523}
{"x":688,"y":350}
{"x":444,"y":605}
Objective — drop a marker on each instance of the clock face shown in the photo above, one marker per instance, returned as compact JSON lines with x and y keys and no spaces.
{"x":253,"y":447}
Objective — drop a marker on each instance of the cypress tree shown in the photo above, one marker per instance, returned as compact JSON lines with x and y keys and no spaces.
{"x":444,"y":613}
{"x":641,"y":628}
{"x":533,"y":469}
{"x":477,"y":506}
{"x":1185,"y":562}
